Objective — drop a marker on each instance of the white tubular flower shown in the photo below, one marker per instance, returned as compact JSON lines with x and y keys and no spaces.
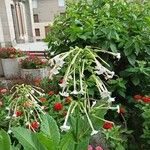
{"x":111,"y":99}
{"x":94,"y":132}
{"x":63,"y":85}
{"x":118,"y":56}
{"x":74,"y":92}
{"x":65,"y":128}
{"x":93,"y":104}
{"x":90,"y":122}
{"x":32,"y":91}
{"x":54,"y":71}
{"x":59,"y":61}
{"x":64,"y":94}
{"x":118,"y":109}
{"x":14,"y":115}
{"x":109,"y":74}
{"x":7,"y":108}
{"x":9,"y":131}
{"x":105,"y":94}
{"x":8,"y":117}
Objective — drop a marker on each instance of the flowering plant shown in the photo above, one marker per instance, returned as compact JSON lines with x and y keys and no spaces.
{"x":10,"y":52}
{"x":24,"y":107}
{"x":78,"y":63}
{"x":33,"y":62}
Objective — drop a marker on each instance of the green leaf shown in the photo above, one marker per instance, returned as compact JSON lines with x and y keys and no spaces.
{"x":132,"y":59}
{"x":28,"y":140}
{"x":135,"y":80}
{"x":66,"y":142}
{"x":5,"y":143}
{"x":47,"y":142}
{"x":50,"y":128}
{"x":113,"y":47}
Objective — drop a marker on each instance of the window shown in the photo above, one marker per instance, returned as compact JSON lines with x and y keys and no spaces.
{"x":34,"y":3}
{"x":61,"y":3}
{"x":37,"y":32}
{"x":36,"y":18}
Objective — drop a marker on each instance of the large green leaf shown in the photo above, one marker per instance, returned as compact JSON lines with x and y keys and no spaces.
{"x":66,"y":142}
{"x":50,"y":128}
{"x":27,"y":139}
{"x":47,"y":142}
{"x":5,"y":143}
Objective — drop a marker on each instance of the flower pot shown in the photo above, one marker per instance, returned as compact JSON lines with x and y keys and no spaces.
{"x":32,"y":73}
{"x":1,"y":69}
{"x":11,"y":67}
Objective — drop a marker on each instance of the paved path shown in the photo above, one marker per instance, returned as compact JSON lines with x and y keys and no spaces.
{"x":36,"y":46}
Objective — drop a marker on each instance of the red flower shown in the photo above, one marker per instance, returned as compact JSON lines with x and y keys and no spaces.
{"x":68,"y":99}
{"x":3,"y":91}
{"x":57,"y":106}
{"x":137,"y":97}
{"x":146,"y":99}
{"x":42,"y":99}
{"x":107,"y":125}
{"x":18,"y":113}
{"x":34,"y":125}
{"x":51,"y":92}
{"x":36,"y":81}
{"x":122,"y":110}
{"x":61,"y":81}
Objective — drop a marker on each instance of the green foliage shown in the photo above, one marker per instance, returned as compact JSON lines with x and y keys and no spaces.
{"x":49,"y":137}
{"x":112,"y":25}
{"x":5,"y":143}
{"x":116,"y":137}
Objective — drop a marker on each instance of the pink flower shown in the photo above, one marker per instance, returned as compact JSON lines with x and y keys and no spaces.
{"x":90,"y":147}
{"x":98,"y":148}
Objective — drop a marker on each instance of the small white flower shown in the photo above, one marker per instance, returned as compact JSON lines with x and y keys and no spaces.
{"x":52,"y":53}
{"x":59,"y":61}
{"x":65,"y":128}
{"x":93,"y":104}
{"x":105,"y":94}
{"x":7,"y":108}
{"x":118,"y":56}
{"x":27,"y":95}
{"x":63,"y":85}
{"x":75,"y":92}
{"x":99,"y":72}
{"x":94,"y":132}
{"x":32,"y":91}
{"x":14,"y":115}
{"x":31,"y":111}
{"x":8,"y":117}
{"x":9,"y":131}
{"x":54,"y":71}
{"x":109,"y":75}
{"x":27,"y":123}
{"x":118,"y":109}
{"x":65,"y":94}
{"x":111,"y":99}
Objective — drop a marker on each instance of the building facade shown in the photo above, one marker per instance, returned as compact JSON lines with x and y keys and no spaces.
{"x":16,"y":22}
{"x":44,"y":12}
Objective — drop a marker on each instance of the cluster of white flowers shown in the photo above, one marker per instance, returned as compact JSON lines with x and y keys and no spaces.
{"x":75,"y":69}
{"x":101,"y":70}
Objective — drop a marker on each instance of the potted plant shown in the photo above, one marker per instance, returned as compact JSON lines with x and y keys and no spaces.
{"x":33,"y":66}
{"x":10,"y":58}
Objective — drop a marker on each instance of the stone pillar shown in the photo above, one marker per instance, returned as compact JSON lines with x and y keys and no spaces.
{"x":7,"y":22}
{"x":2,"y":43}
{"x":29,"y":21}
